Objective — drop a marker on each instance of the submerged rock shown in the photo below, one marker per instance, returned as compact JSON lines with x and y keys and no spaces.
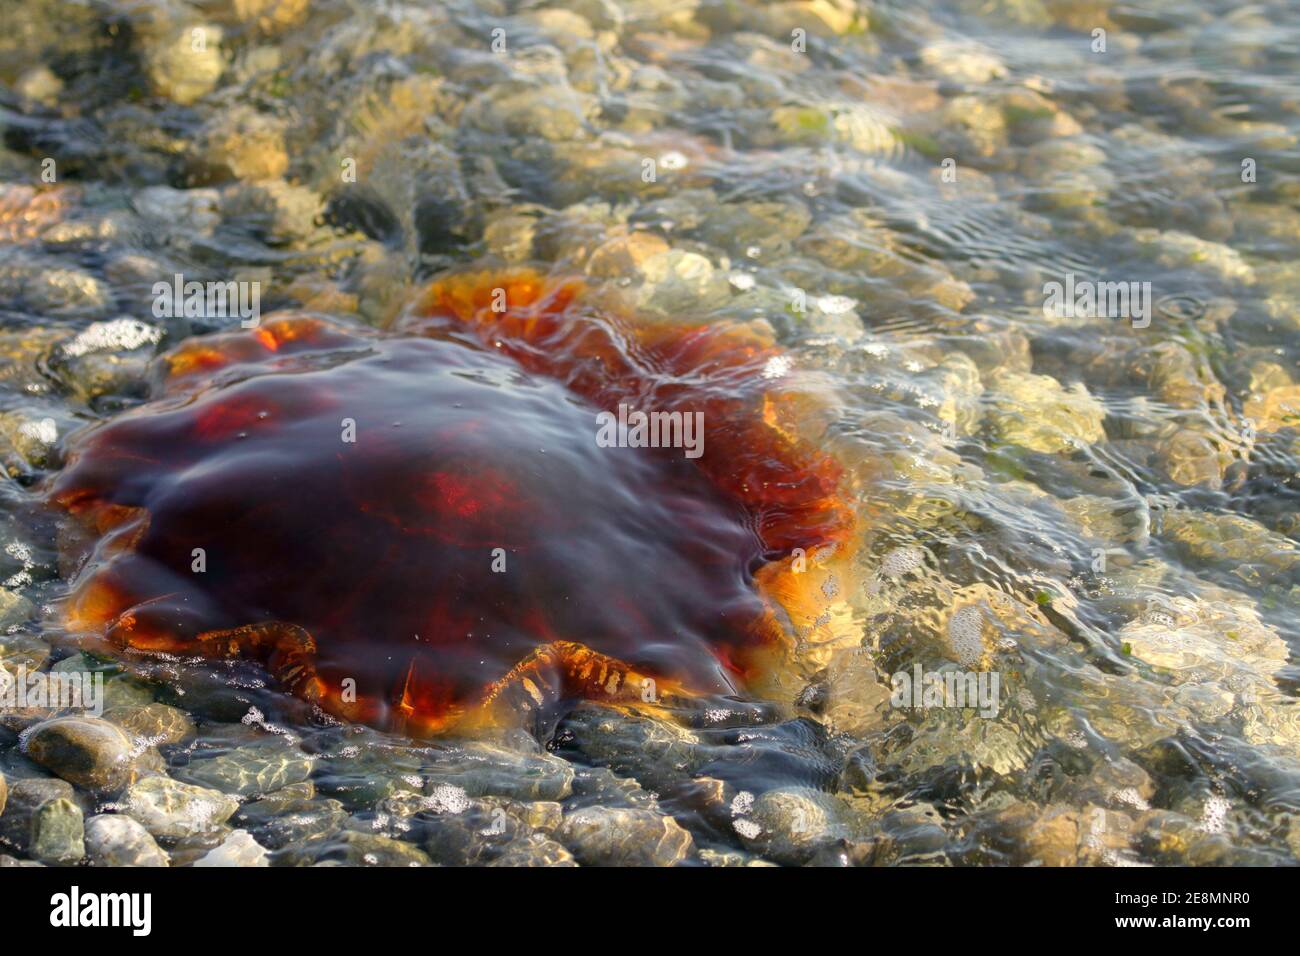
{"x":186,"y":64}
{"x":1233,"y":542}
{"x":42,"y":819}
{"x":1182,"y":250}
{"x":1205,"y":640}
{"x":248,"y":771}
{"x":170,"y":810}
{"x":238,"y":849}
{"x":192,"y":210}
{"x":535,"y":849}
{"x":282,"y":211}
{"x":1276,"y":409}
{"x":87,"y":751}
{"x":153,"y":724}
{"x":791,"y":824}
{"x":32,"y":435}
{"x":1036,"y":412}
{"x":292,"y":816}
{"x":603,"y":836}
{"x":117,"y":840}
{"x":482,"y":768}
{"x":67,"y":292}
{"x":963,"y":60}
{"x":57,"y":833}
{"x":351,"y":848}
{"x":1189,"y":457}
{"x":244,"y":144}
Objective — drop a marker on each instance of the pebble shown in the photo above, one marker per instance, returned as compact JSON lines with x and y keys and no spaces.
{"x":57,"y":833}
{"x":43,"y":820}
{"x":186,"y":65}
{"x":1038,"y":413}
{"x":169,"y":809}
{"x":605,"y":836}
{"x":238,"y":849}
{"x":535,"y":849}
{"x":352,"y":848}
{"x":788,"y":825}
{"x":86,"y":751}
{"x":153,"y":723}
{"x":116,"y":840}
{"x":67,"y":292}
{"x":250,"y":771}
{"x":486,"y":769}
{"x":190,"y":210}
{"x":244,"y":144}
{"x":290,"y":816}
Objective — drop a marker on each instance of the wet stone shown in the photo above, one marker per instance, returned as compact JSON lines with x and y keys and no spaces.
{"x":153,"y":723}
{"x":1166,"y":836}
{"x":361,"y":776}
{"x":1118,"y":783}
{"x":603,"y":836}
{"x":679,"y":281}
{"x":731,"y":858}
{"x":472,"y":836}
{"x":23,"y":793}
{"x":535,"y":849}
{"x":22,"y":822}
{"x":25,"y":212}
{"x":654,"y":753}
{"x":57,"y":833}
{"x":191,"y":210}
{"x":238,"y":849}
{"x":185,"y":65}
{"x":1052,"y":838}
{"x":1277,"y":408}
{"x":485,"y":769}
{"x":283,"y":212}
{"x":68,"y":293}
{"x":86,"y":751}
{"x":19,"y":650}
{"x":170,"y":809}
{"x":1191,"y":458}
{"x":1036,"y":412}
{"x":33,"y":435}
{"x":249,"y":770}
{"x":292,"y":816}
{"x":1182,"y":250}
{"x":789,"y":753}
{"x":352,"y":848}
{"x":788,"y":825}
{"x":966,"y":61}
{"x":189,"y":849}
{"x":601,"y":786}
{"x":1245,"y":547}
{"x":244,"y":144}
{"x":914,"y":834}
{"x":124,"y":690}
{"x":116,"y":840}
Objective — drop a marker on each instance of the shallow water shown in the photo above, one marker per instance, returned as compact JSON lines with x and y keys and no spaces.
{"x":1096,"y":505}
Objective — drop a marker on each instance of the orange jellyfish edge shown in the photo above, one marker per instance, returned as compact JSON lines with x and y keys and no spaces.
{"x":421,"y":529}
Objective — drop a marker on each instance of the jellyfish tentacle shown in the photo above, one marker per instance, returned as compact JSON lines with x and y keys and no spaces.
{"x":287,"y":651}
{"x":567,"y":670}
